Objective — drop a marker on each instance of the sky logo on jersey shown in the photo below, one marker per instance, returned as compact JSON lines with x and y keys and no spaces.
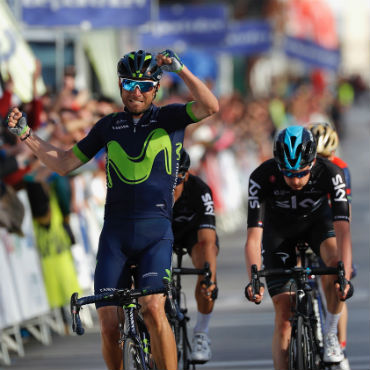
{"x":208,"y":204}
{"x":253,"y":194}
{"x":340,"y":189}
{"x":134,"y":170}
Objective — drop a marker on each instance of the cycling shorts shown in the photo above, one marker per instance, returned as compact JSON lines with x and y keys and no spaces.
{"x":279,"y":243}
{"x":189,"y":240}
{"x":146,"y":243}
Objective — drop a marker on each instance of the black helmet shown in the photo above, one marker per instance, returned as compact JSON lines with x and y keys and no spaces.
{"x":184,"y":163}
{"x":294,"y":148}
{"x":139,"y":65}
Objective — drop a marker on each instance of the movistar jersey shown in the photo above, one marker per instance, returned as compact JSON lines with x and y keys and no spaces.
{"x":270,"y":196}
{"x":141,"y":159}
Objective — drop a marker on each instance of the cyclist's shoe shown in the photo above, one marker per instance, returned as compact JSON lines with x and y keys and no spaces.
{"x":201,"y":352}
{"x":344,"y":364}
{"x":332,"y":351}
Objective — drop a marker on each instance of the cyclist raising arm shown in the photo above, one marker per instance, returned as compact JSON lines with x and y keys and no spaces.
{"x":288,"y":202}
{"x":194,"y":228}
{"x":142,"y":144}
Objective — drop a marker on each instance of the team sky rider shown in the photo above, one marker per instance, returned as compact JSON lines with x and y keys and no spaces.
{"x":194,"y":228}
{"x":327,"y":143}
{"x":143,"y":146}
{"x":288,"y":201}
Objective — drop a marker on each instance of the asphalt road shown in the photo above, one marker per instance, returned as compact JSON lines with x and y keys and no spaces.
{"x":240,"y":331}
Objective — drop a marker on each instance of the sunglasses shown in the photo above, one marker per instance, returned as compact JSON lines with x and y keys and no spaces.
{"x":291,"y":174}
{"x":144,"y":86}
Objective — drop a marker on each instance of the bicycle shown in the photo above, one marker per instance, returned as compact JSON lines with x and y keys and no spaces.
{"x":306,"y":343}
{"x":177,"y":314}
{"x":134,"y":336}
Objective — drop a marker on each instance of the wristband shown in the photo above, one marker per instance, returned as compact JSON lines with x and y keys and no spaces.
{"x":27,"y":136}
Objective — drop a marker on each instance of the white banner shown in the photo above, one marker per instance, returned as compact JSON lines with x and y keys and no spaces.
{"x":25,"y":263}
{"x":10,"y":313}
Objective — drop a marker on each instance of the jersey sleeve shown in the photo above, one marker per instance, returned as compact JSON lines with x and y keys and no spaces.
{"x":256,"y":198}
{"x":177,"y":116}
{"x":338,"y":193}
{"x":207,"y":218}
{"x":91,"y":144}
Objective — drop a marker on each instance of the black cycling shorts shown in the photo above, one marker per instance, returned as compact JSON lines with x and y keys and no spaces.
{"x":189,"y":240}
{"x":279,"y":241}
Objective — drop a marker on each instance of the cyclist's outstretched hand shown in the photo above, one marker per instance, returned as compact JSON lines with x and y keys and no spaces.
{"x":257,"y":297}
{"x":169,"y":61}
{"x":348,"y":290}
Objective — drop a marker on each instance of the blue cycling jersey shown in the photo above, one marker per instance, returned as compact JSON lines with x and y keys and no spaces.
{"x":141,"y":159}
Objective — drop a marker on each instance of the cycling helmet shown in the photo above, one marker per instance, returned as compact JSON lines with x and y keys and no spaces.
{"x":326,"y":138}
{"x":139,"y":65}
{"x":184,"y":163}
{"x":294,"y":148}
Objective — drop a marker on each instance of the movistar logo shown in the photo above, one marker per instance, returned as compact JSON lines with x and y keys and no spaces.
{"x":134,"y":170}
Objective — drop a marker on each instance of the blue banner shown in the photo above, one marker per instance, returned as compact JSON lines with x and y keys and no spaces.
{"x":190,"y":24}
{"x":96,"y":13}
{"x":311,"y":53}
{"x":250,"y":37}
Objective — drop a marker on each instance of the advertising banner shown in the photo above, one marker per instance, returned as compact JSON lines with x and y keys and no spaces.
{"x":10,"y":313}
{"x":94,"y":13}
{"x":312,"y":54}
{"x":25,"y":263}
{"x":190,"y":24}
{"x":248,"y":37}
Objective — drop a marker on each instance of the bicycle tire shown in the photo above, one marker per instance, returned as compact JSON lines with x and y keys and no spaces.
{"x":131,"y":356}
{"x":302,"y":354}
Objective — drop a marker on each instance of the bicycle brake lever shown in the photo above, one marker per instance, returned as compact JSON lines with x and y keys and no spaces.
{"x":341,"y":277}
{"x":76,"y":321}
{"x":207,"y":275}
{"x":256,"y":284}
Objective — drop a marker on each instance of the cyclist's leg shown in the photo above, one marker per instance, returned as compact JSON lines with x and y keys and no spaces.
{"x":205,"y":250}
{"x":162,"y":339}
{"x":110,"y":336}
{"x":153,"y":262}
{"x":324,"y":237}
{"x":279,"y":252}
{"x":282,"y":330}
{"x":109,"y":274}
{"x":342,"y":326}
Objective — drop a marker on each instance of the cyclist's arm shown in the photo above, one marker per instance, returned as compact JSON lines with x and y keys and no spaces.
{"x":56,"y":159}
{"x":207,"y":239}
{"x":253,"y":248}
{"x":343,"y":236}
{"x":205,"y":103}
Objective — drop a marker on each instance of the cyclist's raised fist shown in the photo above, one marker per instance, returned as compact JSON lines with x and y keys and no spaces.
{"x":169,"y":61}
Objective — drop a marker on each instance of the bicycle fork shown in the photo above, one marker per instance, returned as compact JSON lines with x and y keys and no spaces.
{"x":130,"y":330}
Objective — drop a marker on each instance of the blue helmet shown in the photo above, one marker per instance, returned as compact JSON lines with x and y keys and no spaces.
{"x":294,"y":148}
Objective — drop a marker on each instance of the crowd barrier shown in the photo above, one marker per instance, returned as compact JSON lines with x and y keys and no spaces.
{"x":40,"y":271}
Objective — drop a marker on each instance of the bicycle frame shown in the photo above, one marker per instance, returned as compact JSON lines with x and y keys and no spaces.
{"x":130,"y":329}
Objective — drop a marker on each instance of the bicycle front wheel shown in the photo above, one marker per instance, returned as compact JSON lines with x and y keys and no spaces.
{"x":301,"y":347}
{"x":131,"y":356}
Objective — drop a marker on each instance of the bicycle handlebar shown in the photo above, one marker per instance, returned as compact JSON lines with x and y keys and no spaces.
{"x":124,"y":295}
{"x":294,"y":271}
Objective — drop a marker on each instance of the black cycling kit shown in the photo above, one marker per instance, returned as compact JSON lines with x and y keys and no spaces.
{"x":194,"y":210}
{"x":287,"y":215}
